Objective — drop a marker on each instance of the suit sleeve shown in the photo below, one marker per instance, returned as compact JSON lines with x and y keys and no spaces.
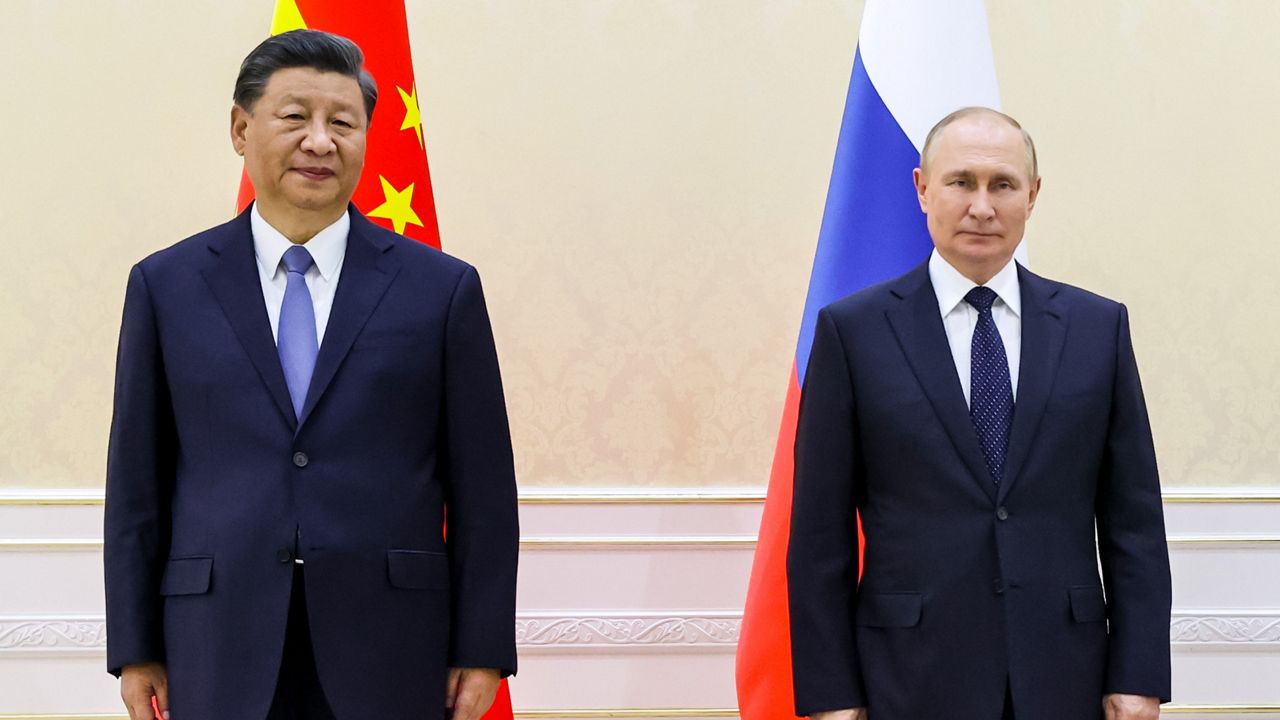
{"x":822,"y":557}
{"x":140,"y":469}
{"x":1131,"y":536}
{"x":482,"y":522}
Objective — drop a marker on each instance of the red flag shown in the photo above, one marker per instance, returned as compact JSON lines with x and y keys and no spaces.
{"x":395,"y":188}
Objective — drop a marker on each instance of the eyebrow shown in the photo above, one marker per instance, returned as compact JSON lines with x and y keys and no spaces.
{"x":969,"y":175}
{"x":287,"y":99}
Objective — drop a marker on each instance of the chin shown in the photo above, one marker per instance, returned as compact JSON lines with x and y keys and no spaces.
{"x":313,"y":202}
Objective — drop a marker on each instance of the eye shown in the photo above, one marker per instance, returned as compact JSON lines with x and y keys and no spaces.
{"x":343,"y":123}
{"x":293,"y":116}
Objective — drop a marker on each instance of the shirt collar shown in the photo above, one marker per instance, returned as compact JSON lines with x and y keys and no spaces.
{"x":950,"y":286}
{"x":327,"y":248}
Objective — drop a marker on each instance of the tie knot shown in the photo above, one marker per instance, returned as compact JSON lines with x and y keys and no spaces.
{"x":297,"y":260}
{"x":981,"y":298}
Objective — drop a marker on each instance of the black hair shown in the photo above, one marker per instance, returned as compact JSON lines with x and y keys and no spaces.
{"x":322,"y":51}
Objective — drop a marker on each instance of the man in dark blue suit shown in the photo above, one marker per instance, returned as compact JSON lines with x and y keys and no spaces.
{"x":988,"y":427}
{"x":301,"y":398}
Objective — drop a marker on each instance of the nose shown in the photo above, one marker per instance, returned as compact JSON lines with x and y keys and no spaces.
{"x":981,"y":207}
{"x":318,"y":141}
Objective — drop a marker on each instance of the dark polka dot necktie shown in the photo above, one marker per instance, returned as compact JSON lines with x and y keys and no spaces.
{"x":990,"y":391}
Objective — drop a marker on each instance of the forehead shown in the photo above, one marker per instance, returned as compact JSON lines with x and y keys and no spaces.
{"x":310,"y":86}
{"x":980,"y":141}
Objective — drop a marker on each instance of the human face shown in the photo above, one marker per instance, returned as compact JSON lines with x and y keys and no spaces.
{"x":303,"y":144}
{"x":977,"y":193}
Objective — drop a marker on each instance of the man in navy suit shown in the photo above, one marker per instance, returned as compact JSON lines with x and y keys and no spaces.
{"x":988,"y":427}
{"x":301,"y":398}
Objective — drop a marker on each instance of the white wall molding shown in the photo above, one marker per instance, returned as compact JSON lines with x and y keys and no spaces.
{"x":667,"y":630}
{"x":53,"y":634}
{"x":534,"y":631}
{"x":1225,"y":628}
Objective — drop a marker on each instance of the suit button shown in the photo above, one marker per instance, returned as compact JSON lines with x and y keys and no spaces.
{"x":284,"y":555}
{"x":1001,"y":513}
{"x":300,"y":459}
{"x":997,"y":586}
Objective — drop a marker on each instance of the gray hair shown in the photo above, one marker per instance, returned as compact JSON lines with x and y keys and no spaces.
{"x":926,"y":153}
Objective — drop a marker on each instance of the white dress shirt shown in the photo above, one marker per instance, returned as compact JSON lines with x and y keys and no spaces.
{"x":959,"y":317}
{"x":328,"y":249}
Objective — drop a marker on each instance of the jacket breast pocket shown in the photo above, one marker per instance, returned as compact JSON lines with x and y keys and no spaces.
{"x":889,"y":610}
{"x":187,"y":576}
{"x":418,"y":569}
{"x":1087,"y":604}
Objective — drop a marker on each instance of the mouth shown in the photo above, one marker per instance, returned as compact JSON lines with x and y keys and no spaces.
{"x":315,"y":173}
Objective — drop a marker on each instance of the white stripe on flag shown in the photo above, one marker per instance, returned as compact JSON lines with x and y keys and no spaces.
{"x":927,"y":58}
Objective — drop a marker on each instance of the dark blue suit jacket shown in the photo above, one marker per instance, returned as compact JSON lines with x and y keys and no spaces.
{"x":211,"y":478}
{"x":967,"y":587}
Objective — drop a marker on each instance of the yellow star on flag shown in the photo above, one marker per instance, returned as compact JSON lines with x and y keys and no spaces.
{"x":398,"y":206}
{"x":412,"y":115}
{"x":286,"y":17}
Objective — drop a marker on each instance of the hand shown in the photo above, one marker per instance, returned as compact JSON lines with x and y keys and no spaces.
{"x":850,"y":714}
{"x":138,"y":684}
{"x":469,"y":692}
{"x":1119,"y":706}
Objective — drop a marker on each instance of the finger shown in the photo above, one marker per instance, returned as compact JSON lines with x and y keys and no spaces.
{"x":469,"y":698}
{"x":162,"y":700}
{"x":464,"y":707}
{"x":451,"y":687}
{"x":139,"y":709}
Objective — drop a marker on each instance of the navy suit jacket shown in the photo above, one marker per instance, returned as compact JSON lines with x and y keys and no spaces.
{"x":967,"y":587}
{"x":211,"y":478}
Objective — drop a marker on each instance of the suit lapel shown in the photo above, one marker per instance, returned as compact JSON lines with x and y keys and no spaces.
{"x":233,"y":278}
{"x":918,"y":326}
{"x":367,"y":272}
{"x":1043,"y":331}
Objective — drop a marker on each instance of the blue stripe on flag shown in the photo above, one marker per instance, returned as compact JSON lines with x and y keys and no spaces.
{"x":872,"y":228}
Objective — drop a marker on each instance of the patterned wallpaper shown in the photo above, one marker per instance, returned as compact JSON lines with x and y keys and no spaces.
{"x":641,"y":187}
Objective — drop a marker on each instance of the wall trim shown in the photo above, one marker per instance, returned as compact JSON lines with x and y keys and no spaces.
{"x":637,"y":629}
{"x":1192,"y":627}
{"x":649,"y":496}
{"x":668,"y":630}
{"x":62,"y":634}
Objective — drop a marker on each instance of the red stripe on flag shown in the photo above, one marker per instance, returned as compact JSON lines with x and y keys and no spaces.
{"x":766,"y":690}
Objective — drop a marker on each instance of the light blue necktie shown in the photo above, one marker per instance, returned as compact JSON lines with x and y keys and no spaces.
{"x":990,"y":391}
{"x":296,"y":337}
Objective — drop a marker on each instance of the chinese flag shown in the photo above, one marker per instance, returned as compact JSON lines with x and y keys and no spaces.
{"x":395,"y":189}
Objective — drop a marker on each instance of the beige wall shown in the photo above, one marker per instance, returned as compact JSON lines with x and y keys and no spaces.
{"x":641,"y":185}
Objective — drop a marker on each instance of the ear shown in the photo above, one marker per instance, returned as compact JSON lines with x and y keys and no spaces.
{"x":917,"y":176}
{"x":1031,"y":197}
{"x":239,"y":129}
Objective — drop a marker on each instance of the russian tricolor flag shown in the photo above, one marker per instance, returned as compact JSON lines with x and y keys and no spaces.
{"x":917,"y":60}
